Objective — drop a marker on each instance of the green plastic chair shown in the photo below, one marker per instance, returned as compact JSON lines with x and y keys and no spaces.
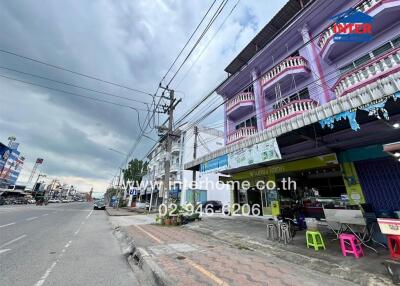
{"x":314,"y":239}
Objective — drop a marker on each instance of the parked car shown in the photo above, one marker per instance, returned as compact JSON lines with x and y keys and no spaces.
{"x":99,"y":205}
{"x":31,"y":201}
{"x":212,"y":206}
{"x":54,"y":201}
{"x":65,"y":201}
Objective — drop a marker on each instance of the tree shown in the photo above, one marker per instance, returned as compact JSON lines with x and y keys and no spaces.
{"x":135,"y":171}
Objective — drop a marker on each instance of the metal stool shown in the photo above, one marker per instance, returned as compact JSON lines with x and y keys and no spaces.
{"x":272,"y":231}
{"x":284,"y":232}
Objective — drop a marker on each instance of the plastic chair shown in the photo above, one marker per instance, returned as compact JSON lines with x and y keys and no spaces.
{"x":353,"y":245}
{"x":314,"y":239}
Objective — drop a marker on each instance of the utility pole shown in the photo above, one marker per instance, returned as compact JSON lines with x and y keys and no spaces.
{"x":196,"y":132}
{"x":168,"y":141}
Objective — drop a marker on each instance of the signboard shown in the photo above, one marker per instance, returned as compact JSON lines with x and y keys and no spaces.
{"x":352,"y":26}
{"x":257,"y":153}
{"x":218,"y":164}
{"x":132,"y":192}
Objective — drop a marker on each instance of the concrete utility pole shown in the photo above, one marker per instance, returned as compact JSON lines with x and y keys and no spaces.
{"x":196,"y":132}
{"x":168,"y":141}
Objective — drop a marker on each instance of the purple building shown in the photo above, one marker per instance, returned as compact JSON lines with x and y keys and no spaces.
{"x":320,"y":81}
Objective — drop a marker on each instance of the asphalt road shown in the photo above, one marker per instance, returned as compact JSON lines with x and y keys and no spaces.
{"x":59,"y":244}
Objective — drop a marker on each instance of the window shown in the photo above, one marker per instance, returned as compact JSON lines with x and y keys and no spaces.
{"x":250,"y":122}
{"x":347,"y":68}
{"x":362,"y":60}
{"x":302,"y":94}
{"x":382,"y":49}
{"x":396,"y":42}
{"x":375,"y":53}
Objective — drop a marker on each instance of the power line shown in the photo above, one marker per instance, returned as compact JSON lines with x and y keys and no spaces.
{"x":73,"y":93}
{"x":74,"y":72}
{"x":187,"y":42}
{"x":156,"y":106}
{"x":73,"y":85}
{"x":216,"y":14}
{"x":208,"y":43}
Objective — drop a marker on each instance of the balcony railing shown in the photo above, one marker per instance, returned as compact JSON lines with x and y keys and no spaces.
{"x":241,"y":134}
{"x":285,"y":65}
{"x":369,"y":72}
{"x":174,"y":167}
{"x":240,"y":98}
{"x":290,"y":110}
{"x":175,"y":147}
{"x":327,"y":35}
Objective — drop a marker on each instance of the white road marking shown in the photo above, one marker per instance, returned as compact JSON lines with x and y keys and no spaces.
{"x":68,"y":244}
{"x":31,"y":218}
{"x":46,"y":274}
{"x":89,"y":214}
{"x":12,"y":241}
{"x":45,"y":214}
{"x":4,"y":250}
{"x":8,"y":224}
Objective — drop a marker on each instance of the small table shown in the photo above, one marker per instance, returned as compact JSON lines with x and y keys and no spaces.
{"x":351,"y":220}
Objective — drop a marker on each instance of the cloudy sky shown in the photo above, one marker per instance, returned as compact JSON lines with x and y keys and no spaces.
{"x":129,"y":42}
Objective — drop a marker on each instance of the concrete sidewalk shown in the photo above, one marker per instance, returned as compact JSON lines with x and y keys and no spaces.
{"x":250,"y":232}
{"x":180,"y":256}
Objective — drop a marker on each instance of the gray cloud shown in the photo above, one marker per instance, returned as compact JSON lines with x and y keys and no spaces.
{"x":128,"y":42}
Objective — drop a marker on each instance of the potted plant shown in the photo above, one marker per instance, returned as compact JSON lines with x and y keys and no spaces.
{"x":167,"y":219}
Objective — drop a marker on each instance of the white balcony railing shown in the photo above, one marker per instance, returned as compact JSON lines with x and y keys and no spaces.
{"x":241,"y":134}
{"x":378,"y":68}
{"x":241,"y":97}
{"x":174,"y":167}
{"x":175,"y":147}
{"x":290,"y":110}
{"x":327,"y":35}
{"x":287,"y":64}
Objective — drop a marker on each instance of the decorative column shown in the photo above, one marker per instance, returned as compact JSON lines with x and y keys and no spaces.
{"x":259,"y":100}
{"x":226,"y":126}
{"x":320,"y":90}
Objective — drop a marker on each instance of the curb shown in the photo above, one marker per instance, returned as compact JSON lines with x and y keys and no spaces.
{"x":120,"y":214}
{"x":310,"y":263}
{"x":140,"y":261}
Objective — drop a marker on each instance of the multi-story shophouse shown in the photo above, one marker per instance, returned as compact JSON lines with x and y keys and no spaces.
{"x":186,"y":137}
{"x":319,"y":84}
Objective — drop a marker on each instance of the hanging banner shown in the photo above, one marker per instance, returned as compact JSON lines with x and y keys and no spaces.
{"x":257,"y":153}
{"x":218,"y":164}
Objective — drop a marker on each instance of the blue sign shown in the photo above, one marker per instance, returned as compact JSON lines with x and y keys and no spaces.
{"x":352,"y":26}
{"x":217,"y":164}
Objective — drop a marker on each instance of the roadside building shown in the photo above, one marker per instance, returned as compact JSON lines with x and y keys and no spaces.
{"x":315,"y":97}
{"x":182,"y":151}
{"x":11,"y":163}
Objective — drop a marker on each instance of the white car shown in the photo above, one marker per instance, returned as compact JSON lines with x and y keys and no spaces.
{"x":31,"y":201}
{"x":54,"y":201}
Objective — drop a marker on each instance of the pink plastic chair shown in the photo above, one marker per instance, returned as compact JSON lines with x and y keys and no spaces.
{"x":350,"y":244}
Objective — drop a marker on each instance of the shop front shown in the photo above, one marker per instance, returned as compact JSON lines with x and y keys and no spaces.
{"x":297,"y":186}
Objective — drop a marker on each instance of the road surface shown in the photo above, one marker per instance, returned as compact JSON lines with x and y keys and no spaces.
{"x":59,"y":244}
